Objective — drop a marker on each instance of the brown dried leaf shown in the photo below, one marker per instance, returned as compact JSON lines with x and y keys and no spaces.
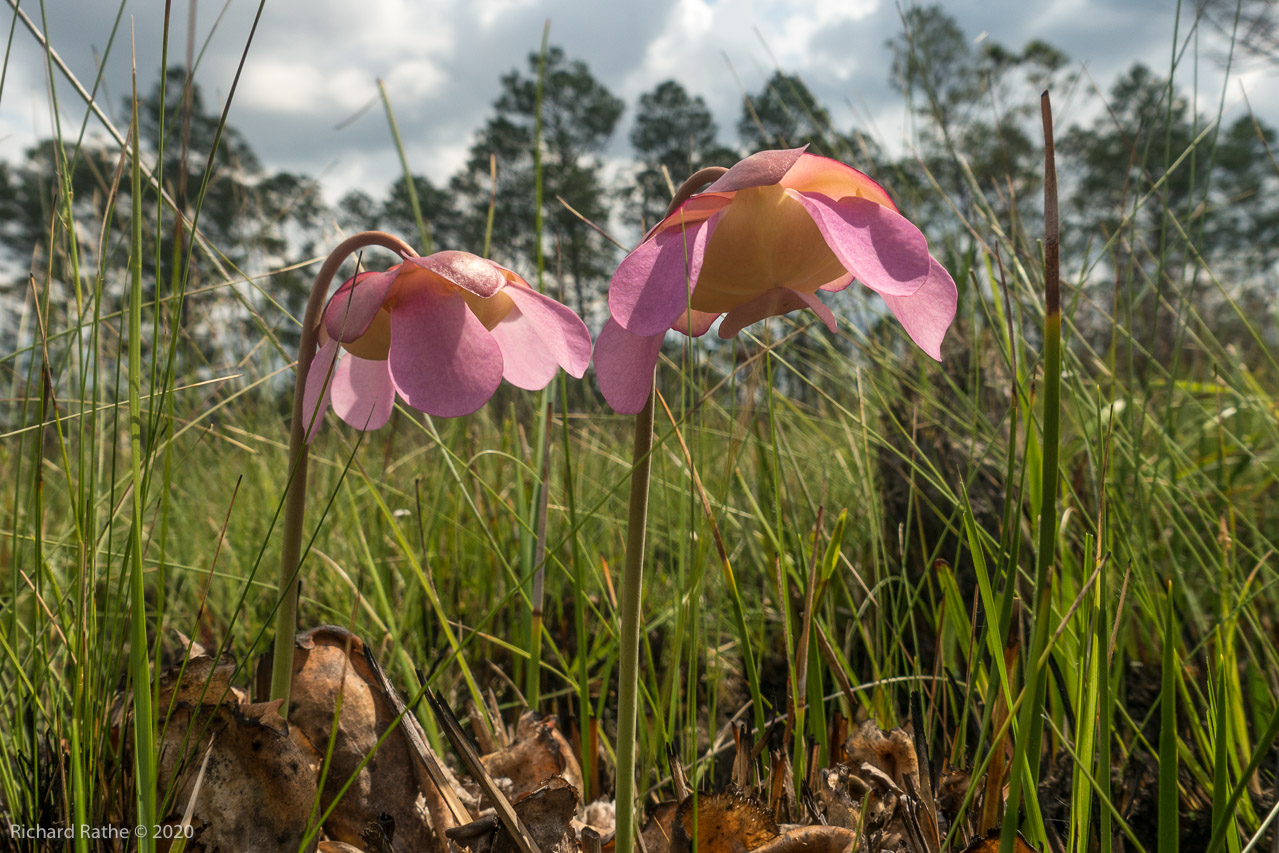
{"x":725,"y":823}
{"x":547,"y":814}
{"x":892,"y":752}
{"x":203,"y":681}
{"x":659,"y":830}
{"x":812,"y":839}
{"x":990,"y":844}
{"x":539,"y":752}
{"x":330,"y":663}
{"x":259,"y":783}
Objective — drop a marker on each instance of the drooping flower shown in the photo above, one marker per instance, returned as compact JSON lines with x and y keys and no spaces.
{"x":441,"y":332}
{"x":760,"y":242}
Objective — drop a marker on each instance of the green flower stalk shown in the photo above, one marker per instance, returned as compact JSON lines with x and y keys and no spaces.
{"x":286,"y":614}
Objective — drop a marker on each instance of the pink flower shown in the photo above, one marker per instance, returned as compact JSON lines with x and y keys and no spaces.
{"x":760,"y":242}
{"x":441,"y":332}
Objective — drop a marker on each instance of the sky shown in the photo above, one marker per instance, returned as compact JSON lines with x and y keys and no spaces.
{"x":307,"y":99}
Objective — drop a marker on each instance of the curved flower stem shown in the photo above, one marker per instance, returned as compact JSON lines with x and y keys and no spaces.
{"x":286,"y":614}
{"x":632,"y":585}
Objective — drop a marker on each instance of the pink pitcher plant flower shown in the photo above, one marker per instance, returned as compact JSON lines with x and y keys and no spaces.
{"x":761,"y":241}
{"x":441,"y":332}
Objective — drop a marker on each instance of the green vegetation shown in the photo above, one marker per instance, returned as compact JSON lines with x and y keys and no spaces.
{"x":843,"y":482}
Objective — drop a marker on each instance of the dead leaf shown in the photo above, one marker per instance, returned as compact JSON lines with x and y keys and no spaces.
{"x":259,"y":783}
{"x":891,"y":752}
{"x":329,"y":666}
{"x":990,"y":844}
{"x":727,"y":822}
{"x":812,"y":839}
{"x":538,"y":752}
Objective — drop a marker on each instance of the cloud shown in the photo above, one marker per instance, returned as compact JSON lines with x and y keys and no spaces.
{"x":314,"y":64}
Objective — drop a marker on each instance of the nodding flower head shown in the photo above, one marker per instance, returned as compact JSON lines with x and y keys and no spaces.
{"x":761,"y":241}
{"x":441,"y":332}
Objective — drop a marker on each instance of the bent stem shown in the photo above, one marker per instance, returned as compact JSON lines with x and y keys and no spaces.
{"x":632,"y":585}
{"x":286,"y":613}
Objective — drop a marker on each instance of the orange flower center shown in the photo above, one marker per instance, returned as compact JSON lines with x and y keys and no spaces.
{"x":765,"y":239}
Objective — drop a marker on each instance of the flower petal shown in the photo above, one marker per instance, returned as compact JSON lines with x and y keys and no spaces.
{"x":356,"y":302}
{"x":469,"y":272}
{"x":928,"y":312}
{"x":526,"y":360}
{"x":560,"y":332}
{"x":443,"y":361}
{"x":838,"y":284}
{"x":773,"y":303}
{"x":695,"y":209}
{"x":757,"y":170}
{"x":362,"y":392}
{"x":833,"y":179}
{"x":881,"y":247}
{"x":651,"y":286}
{"x":624,"y":364}
{"x":694,"y":323}
{"x":315,"y":396}
{"x":765,"y":239}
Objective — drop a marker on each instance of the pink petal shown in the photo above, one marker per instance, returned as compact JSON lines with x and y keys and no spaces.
{"x":695,"y":209}
{"x":928,"y":312}
{"x":758,"y":170}
{"x":315,"y":396}
{"x":652,"y":284}
{"x":560,"y":332}
{"x":881,"y":247}
{"x":624,"y":365}
{"x":838,"y":284}
{"x":353,"y":307}
{"x":694,"y":323}
{"x":469,"y":272}
{"x":362,"y":392}
{"x":773,"y":303}
{"x":443,"y":361}
{"x":526,"y":360}
{"x":833,"y":179}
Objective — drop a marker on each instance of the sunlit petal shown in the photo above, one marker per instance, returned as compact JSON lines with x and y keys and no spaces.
{"x":462,"y":269}
{"x":443,"y":361}
{"x":765,"y":239}
{"x":881,"y":247}
{"x":833,"y":179}
{"x":763,"y":169}
{"x":560,"y":332}
{"x":650,"y":288}
{"x":928,"y":312}
{"x":315,"y":396}
{"x":362,"y":392}
{"x":624,"y":364}
{"x":356,"y":302}
{"x":774,"y":303}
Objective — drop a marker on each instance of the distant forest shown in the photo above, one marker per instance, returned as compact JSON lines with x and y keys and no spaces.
{"x":1147,"y":184}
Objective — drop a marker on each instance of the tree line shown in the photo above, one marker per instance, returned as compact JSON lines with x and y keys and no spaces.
{"x":1149,"y":182}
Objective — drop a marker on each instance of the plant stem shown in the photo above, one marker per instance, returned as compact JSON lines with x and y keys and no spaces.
{"x":286,"y":613}
{"x":1025,"y":769}
{"x":628,"y":666}
{"x":632,"y":583}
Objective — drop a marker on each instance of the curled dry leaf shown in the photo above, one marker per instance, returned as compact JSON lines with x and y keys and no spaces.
{"x":891,"y":752}
{"x":727,"y":822}
{"x":812,"y":839}
{"x":990,"y":844}
{"x":539,"y":752}
{"x":548,"y":814}
{"x":659,"y":830}
{"x":202,"y":681}
{"x":331,"y":665}
{"x":259,"y":783}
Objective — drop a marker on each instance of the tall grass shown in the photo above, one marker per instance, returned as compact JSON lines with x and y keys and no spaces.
{"x":874,"y":519}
